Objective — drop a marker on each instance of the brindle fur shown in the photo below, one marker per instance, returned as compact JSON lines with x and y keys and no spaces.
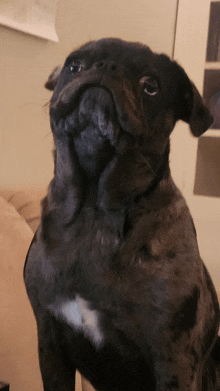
{"x":116,"y":244}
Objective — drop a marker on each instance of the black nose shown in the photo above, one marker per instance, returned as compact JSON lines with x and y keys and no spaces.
{"x":106,"y":65}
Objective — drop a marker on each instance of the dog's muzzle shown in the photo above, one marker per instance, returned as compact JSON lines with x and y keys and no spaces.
{"x":97,"y":129}
{"x":89,"y":117}
{"x":113,"y":95}
{"x":97,"y":110}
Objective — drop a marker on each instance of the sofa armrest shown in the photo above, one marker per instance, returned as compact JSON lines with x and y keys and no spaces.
{"x":27,"y":202}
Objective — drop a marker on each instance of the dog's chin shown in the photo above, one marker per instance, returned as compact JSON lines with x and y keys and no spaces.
{"x":97,"y":108}
{"x":97,"y":130}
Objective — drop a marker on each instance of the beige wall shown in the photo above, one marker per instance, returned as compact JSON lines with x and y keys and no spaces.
{"x":26,"y":61}
{"x":190,"y":51}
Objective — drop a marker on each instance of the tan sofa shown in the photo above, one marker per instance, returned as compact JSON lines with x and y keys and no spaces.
{"x":19,"y":218}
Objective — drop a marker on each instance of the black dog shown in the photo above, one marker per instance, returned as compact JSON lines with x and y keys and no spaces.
{"x":114,"y":273}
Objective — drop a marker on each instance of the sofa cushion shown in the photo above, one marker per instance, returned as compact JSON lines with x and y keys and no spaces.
{"x":18,"y":334}
{"x":27,"y":202}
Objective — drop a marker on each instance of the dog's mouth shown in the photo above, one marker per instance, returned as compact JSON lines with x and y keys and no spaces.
{"x":96,"y":110}
{"x":94,"y":128}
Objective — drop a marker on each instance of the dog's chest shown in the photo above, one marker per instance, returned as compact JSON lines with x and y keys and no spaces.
{"x":79,"y":315}
{"x":90,"y":265}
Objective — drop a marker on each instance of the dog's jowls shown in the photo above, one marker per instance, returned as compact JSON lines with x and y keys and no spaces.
{"x":114,"y":274}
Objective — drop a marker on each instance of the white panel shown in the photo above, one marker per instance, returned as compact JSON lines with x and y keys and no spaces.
{"x":190,"y":52}
{"x":35,"y":17}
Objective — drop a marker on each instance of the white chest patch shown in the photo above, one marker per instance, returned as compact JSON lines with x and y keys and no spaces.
{"x":77,"y":314}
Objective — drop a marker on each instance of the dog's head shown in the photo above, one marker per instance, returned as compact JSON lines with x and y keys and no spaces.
{"x":109,"y":91}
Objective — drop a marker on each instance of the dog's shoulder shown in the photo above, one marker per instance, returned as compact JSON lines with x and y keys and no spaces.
{"x":162,"y":224}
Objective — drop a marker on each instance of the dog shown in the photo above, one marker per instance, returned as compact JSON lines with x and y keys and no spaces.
{"x":114,"y":274}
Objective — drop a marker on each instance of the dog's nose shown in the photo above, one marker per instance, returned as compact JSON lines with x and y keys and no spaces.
{"x":106,"y":65}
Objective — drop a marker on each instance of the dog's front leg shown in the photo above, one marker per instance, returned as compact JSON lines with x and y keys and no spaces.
{"x":57,"y":373}
{"x":170,"y":377}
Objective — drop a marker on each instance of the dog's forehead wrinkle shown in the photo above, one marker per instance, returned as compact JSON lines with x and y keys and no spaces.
{"x":133,"y":53}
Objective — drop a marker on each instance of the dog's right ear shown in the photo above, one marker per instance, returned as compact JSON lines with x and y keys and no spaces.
{"x":200,"y":118}
{"x":52,"y":79}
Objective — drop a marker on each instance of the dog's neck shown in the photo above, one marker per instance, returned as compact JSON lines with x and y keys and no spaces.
{"x":162,"y":172}
{"x":137,"y":180}
{"x":127,"y":178}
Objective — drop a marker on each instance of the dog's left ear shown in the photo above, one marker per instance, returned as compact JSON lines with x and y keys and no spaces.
{"x":52,"y":79}
{"x":198,"y":116}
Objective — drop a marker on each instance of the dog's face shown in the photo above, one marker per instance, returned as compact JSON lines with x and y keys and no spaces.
{"x":112,"y":94}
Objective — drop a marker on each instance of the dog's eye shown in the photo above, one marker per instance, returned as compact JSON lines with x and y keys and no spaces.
{"x":75,"y":67}
{"x":150,"y":85}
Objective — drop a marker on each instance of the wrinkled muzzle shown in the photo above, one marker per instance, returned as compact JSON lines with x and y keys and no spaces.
{"x":97,"y":129}
{"x":97,"y":111}
{"x":89,"y":117}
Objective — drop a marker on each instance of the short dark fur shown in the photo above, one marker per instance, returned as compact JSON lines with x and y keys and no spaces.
{"x":116,"y":236}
